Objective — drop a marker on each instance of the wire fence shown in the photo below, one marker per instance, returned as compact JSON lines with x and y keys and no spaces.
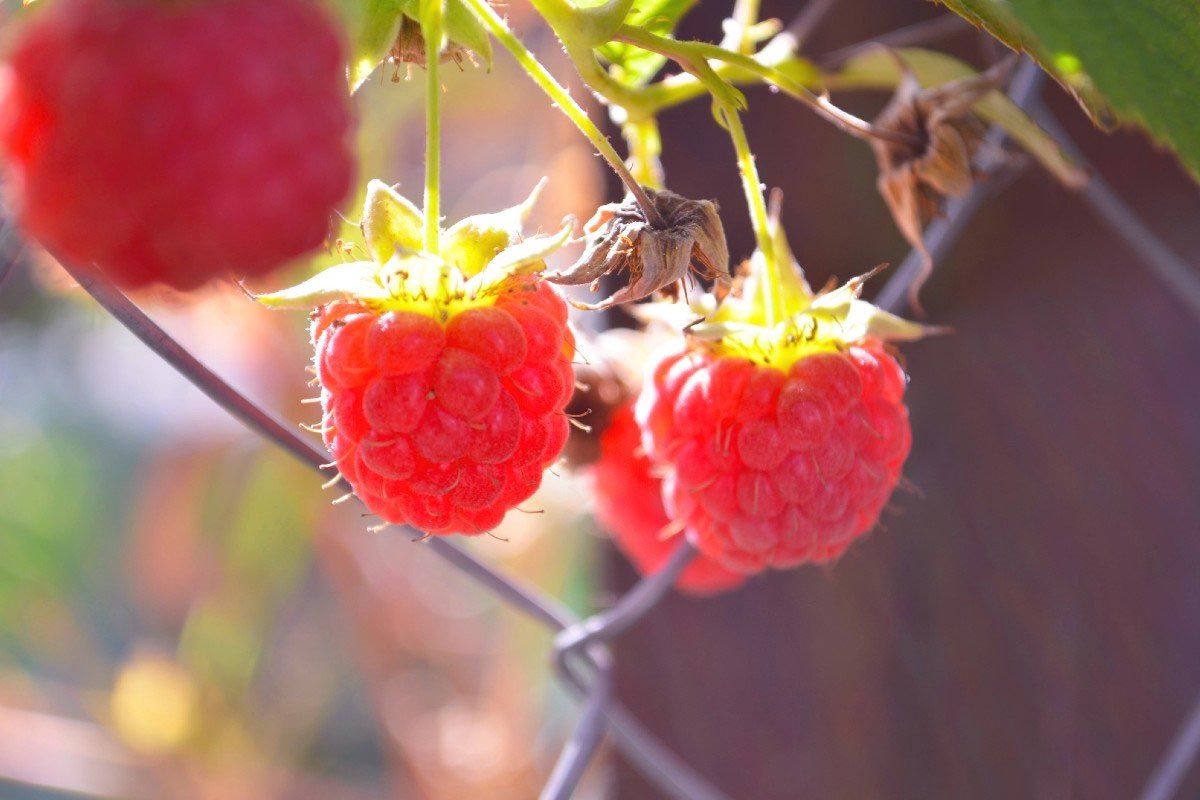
{"x":581,"y":653}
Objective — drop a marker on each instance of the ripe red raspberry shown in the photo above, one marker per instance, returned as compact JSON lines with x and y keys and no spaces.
{"x":628,"y":504}
{"x":446,"y":425}
{"x":172,"y":142}
{"x":775,"y":468}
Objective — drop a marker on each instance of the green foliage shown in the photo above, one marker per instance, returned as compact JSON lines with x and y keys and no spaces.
{"x":634,"y":66}
{"x":1127,"y":61}
{"x":876,"y":69}
{"x":50,"y":488}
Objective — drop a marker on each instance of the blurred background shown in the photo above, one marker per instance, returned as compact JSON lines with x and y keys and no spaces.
{"x":184,"y":614}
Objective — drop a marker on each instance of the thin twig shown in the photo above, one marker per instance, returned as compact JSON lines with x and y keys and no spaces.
{"x":929,"y":30}
{"x":1172,"y":270}
{"x":1164,"y":782}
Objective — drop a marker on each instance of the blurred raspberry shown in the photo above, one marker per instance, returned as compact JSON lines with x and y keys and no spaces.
{"x":772,"y":468}
{"x":628,"y":504}
{"x":174,"y":142}
{"x":446,"y":426}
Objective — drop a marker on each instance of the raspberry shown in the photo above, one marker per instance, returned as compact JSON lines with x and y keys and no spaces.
{"x":433,"y":424}
{"x":174,"y":142}
{"x":775,"y":468}
{"x":628,"y":503}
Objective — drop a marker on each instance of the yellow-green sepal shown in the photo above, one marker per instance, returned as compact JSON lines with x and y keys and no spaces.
{"x":391,"y":224}
{"x":524,"y":258}
{"x":358,"y":280}
{"x":855,"y":319}
{"x":473,"y":242}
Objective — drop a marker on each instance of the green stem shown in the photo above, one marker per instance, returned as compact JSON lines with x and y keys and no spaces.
{"x":431,"y":29}
{"x":645,"y":151}
{"x":542,"y":77}
{"x":771,"y":280}
{"x":696,"y":52}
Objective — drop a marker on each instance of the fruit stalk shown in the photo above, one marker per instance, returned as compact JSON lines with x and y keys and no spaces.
{"x":431,"y":25}
{"x":558,"y":93}
{"x":771,"y":281}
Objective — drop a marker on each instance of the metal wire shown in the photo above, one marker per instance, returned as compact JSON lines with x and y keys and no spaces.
{"x":1179,"y":276}
{"x":1164,"y":782}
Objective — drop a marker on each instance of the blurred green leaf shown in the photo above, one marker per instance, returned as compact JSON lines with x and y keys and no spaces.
{"x":1126,"y":61}
{"x":635,"y":66}
{"x":876,"y":69}
{"x":50,"y":494}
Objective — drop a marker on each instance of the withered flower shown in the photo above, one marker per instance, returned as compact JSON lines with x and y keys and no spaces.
{"x":930,"y":159}
{"x":620,"y":239}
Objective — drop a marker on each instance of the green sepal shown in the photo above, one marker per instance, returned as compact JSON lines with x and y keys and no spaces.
{"x":377,"y":28}
{"x":523,"y":258}
{"x":391,"y":223}
{"x":356,"y":280}
{"x":857,"y":319}
{"x":473,"y":242}
{"x":464,"y":28}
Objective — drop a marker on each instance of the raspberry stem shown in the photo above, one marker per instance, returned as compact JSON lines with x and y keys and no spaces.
{"x":431,"y":27}
{"x":558,"y":93}
{"x":645,"y":151}
{"x":771,"y":282}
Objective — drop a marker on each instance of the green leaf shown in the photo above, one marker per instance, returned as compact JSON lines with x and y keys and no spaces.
{"x":635,"y":66}
{"x":376,"y":31}
{"x":1126,"y":61}
{"x":875,"y":69}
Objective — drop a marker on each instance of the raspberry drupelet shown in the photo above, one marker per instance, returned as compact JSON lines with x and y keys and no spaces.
{"x":629,"y":505}
{"x":443,"y":382}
